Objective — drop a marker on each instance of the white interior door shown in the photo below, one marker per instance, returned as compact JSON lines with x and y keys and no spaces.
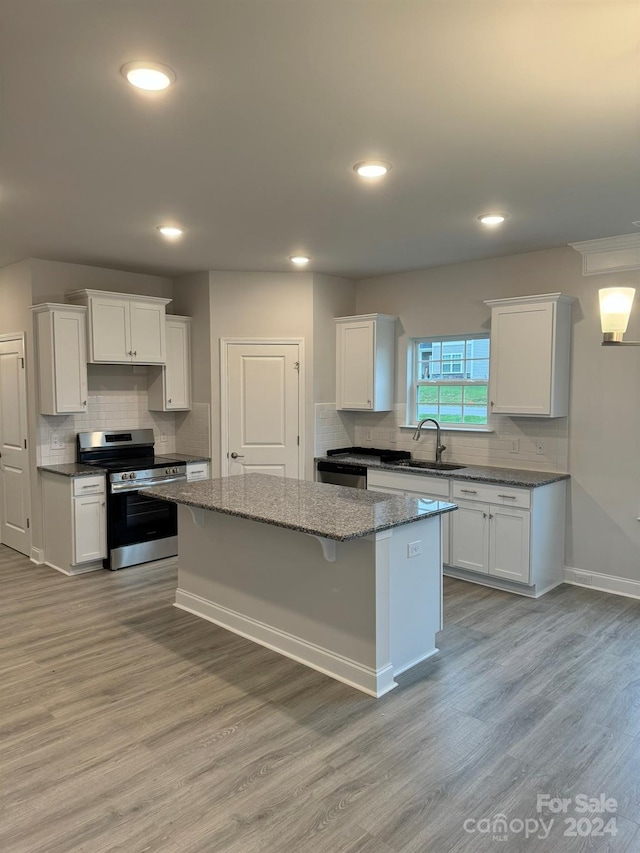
{"x":14,"y":462}
{"x":263,"y":417}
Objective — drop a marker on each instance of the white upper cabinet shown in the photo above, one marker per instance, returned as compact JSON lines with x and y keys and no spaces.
{"x":124,"y":328}
{"x":530,"y":346}
{"x":365,"y":362}
{"x":170,"y":386}
{"x":61,"y":358}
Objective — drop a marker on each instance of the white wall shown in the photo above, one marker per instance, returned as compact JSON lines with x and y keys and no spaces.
{"x":192,"y":298}
{"x":261,"y":305}
{"x":603,"y":428}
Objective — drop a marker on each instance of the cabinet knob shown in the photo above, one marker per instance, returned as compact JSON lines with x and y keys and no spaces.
{"x":169,"y":400}
{"x":484,"y":514}
{"x":103,"y":503}
{"x":135,"y":352}
{"x":368,"y":402}
{"x":84,"y":402}
{"x":492,"y":403}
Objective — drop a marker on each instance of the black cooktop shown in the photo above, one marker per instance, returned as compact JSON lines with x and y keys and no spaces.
{"x":140,"y":464}
{"x":385,"y":454}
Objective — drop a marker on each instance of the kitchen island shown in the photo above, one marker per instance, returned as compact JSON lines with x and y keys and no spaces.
{"x":346,"y":581}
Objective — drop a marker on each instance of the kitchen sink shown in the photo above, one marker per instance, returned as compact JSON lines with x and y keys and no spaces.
{"x":432,"y":466}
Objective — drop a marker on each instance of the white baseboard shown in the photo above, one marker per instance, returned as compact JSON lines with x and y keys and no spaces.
{"x":374,"y":682}
{"x":72,"y":571}
{"x":602,"y":583}
{"x":37,"y":556}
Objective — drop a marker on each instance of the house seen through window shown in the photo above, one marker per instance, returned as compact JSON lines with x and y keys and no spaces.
{"x":450,"y":380}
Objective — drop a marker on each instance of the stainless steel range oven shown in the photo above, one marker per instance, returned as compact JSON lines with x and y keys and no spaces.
{"x":139,"y":528}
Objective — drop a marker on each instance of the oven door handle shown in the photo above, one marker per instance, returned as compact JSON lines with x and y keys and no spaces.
{"x":134,"y":486}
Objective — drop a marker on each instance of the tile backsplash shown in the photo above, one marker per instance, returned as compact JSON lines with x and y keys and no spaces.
{"x":106,"y":410}
{"x":513,"y":443}
{"x":193,"y":430}
{"x":332,"y":428}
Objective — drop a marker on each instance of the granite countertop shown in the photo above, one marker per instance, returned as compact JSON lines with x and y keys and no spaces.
{"x":335,"y":512}
{"x":477,"y":473}
{"x":72,"y":469}
{"x":184,"y":457}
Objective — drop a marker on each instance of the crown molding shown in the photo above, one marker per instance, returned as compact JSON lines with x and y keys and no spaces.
{"x":609,"y":254}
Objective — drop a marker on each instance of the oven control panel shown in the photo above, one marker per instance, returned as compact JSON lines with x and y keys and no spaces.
{"x":128,"y":475}
{"x":169,"y":471}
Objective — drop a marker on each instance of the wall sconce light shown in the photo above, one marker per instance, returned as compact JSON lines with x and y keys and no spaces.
{"x":615,"y":307}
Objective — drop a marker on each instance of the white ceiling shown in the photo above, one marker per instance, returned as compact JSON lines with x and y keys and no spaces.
{"x":524,"y":106}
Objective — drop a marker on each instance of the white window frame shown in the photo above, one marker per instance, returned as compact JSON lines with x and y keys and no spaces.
{"x":413,"y":382}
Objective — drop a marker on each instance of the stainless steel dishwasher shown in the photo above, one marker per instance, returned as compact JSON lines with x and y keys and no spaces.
{"x":342,"y":475}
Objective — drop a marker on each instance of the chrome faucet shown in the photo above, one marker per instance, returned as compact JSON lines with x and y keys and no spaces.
{"x":439,"y":447}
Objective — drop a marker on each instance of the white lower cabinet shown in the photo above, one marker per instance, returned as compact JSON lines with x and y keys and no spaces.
{"x":197,"y":471}
{"x":89,"y":528}
{"x":491,"y":539}
{"x":75,"y":522}
{"x":503,"y":536}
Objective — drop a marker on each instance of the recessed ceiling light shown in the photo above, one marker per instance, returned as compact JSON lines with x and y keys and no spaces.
{"x":300,"y":260}
{"x":170,"y":231}
{"x":148,"y":75}
{"x":372,"y":168}
{"x":492,"y":218}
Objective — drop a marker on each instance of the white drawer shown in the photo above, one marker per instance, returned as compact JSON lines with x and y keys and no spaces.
{"x":197,"y":471}
{"x":88,"y":485}
{"x":419,"y":484}
{"x":467,"y":490}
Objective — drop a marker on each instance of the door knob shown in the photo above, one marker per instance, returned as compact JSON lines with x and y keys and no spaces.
{"x":235,"y":455}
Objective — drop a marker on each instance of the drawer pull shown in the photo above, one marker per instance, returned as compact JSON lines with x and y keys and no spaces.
{"x":469,"y":491}
{"x":511,"y":497}
{"x":94,"y":486}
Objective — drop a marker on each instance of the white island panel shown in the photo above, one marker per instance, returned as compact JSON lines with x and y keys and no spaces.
{"x":362,"y":619}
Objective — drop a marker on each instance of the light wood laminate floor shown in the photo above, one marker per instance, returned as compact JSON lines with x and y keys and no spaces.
{"x":128,"y":725}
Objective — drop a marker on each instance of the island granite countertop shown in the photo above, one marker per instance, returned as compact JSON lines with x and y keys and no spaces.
{"x":319,"y":509}
{"x":73,"y":469}
{"x":477,"y":473}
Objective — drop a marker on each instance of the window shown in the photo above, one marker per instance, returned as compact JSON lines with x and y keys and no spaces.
{"x":449,"y":379}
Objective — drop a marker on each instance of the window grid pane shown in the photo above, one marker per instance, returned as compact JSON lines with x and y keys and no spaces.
{"x":451,"y":379}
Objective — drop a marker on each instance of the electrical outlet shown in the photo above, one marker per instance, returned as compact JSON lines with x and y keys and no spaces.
{"x":515,"y":445}
{"x":367,"y":435}
{"x":414,"y":549}
{"x":163,"y":438}
{"x":56,"y":443}
{"x":583,"y":578}
{"x":392,"y":436}
{"x":540,"y":448}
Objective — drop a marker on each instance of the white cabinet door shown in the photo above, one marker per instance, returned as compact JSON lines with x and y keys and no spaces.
{"x":89,"y":522}
{"x":530,"y":350}
{"x":61,"y":349}
{"x":147,"y":323}
{"x":470,"y":537}
{"x":355,"y":364}
{"x":70,"y":361}
{"x":509,"y":544}
{"x":365,"y":358}
{"x":521,"y":351}
{"x":178,"y":368}
{"x":170,"y":385}
{"x":110,"y":334}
